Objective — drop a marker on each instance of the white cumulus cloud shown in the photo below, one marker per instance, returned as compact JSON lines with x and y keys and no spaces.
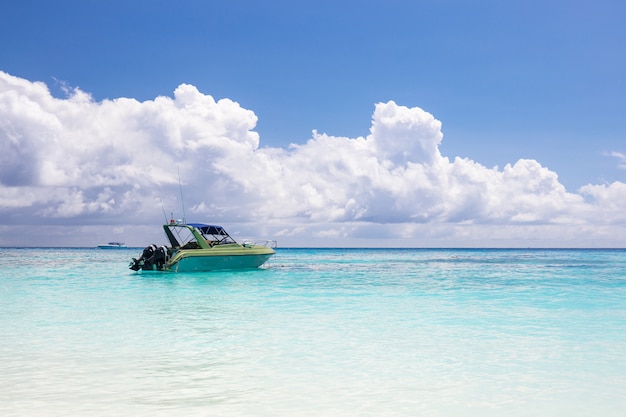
{"x":77,"y":161}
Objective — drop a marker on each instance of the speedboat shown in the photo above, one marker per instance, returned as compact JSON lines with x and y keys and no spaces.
{"x":112,"y":245}
{"x":202,"y":247}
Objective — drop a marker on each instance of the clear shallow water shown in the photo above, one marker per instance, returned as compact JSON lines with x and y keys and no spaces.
{"x":322,"y":332}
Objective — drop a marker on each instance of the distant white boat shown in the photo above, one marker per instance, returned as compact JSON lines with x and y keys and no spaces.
{"x":112,"y":245}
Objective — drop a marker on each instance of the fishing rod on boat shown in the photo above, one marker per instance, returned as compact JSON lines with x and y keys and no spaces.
{"x":163,"y":208}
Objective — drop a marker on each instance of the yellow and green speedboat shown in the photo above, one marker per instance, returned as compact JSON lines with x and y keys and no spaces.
{"x":202,"y":247}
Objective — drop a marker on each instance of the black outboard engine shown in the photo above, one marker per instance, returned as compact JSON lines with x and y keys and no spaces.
{"x":148,"y":252}
{"x":157,"y":259}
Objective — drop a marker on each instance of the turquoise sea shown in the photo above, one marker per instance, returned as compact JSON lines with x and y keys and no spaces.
{"x":320,"y":332}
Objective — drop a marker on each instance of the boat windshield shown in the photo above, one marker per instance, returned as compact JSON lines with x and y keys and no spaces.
{"x":182,"y":235}
{"x":214,"y":234}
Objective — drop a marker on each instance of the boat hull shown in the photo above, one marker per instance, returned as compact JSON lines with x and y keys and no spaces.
{"x":219,"y":258}
{"x":215,"y":263}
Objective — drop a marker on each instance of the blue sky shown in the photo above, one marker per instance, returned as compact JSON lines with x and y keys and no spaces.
{"x":509,"y":80}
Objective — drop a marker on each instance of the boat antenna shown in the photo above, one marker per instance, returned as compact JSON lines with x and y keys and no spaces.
{"x":163,"y":208}
{"x":182,"y":201}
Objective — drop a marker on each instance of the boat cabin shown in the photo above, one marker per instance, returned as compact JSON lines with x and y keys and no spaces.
{"x":196,"y":235}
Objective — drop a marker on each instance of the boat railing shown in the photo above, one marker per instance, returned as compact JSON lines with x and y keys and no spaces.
{"x":267,"y":243}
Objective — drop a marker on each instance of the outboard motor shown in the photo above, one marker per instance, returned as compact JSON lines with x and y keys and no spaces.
{"x":158,"y":258}
{"x":148,"y":252}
